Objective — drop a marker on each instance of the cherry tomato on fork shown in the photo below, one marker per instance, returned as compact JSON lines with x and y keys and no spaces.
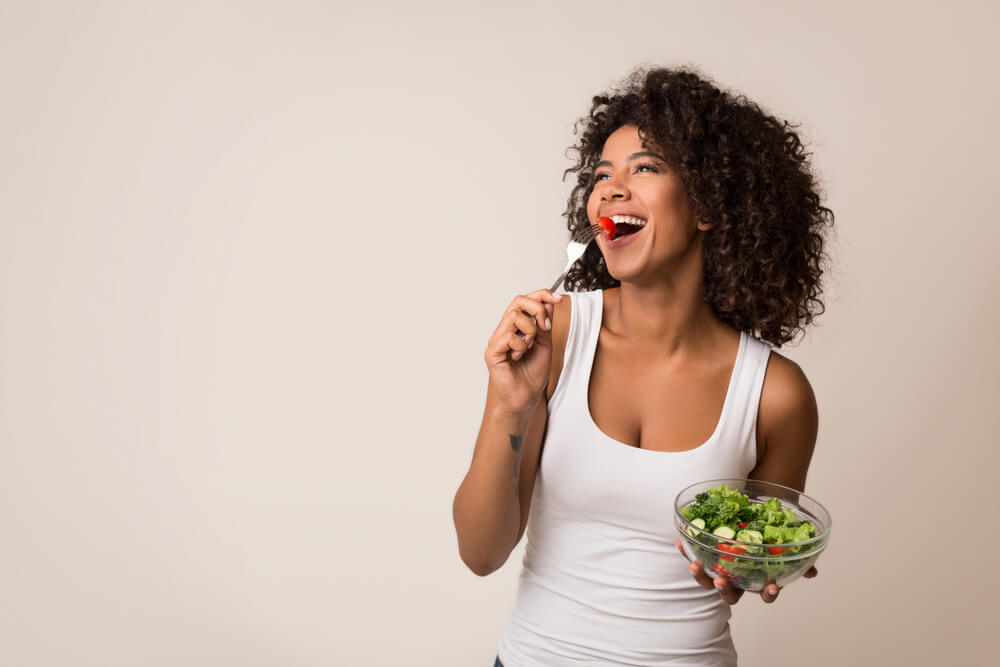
{"x":609,"y":226}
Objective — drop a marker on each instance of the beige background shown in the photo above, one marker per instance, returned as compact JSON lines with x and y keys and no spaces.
{"x":251,"y":254}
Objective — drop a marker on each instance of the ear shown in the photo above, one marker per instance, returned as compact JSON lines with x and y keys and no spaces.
{"x":705,"y":226}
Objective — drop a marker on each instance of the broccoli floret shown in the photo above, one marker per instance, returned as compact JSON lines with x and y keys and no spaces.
{"x":693,"y":512}
{"x":727,"y":514}
{"x":718,"y":511}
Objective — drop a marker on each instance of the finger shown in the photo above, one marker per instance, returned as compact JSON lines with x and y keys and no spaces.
{"x":513,"y":337}
{"x":534,"y":307}
{"x":811,"y":572}
{"x":770,"y":593}
{"x":697,"y":570}
{"x":546,"y":295}
{"x":730,"y":594}
{"x":522,"y":325}
{"x":548,"y":300}
{"x":517,"y":346}
{"x":516,"y":322}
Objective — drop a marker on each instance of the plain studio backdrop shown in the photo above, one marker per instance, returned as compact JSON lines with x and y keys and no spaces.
{"x":252,"y":253}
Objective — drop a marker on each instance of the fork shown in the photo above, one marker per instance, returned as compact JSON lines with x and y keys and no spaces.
{"x":575,"y":250}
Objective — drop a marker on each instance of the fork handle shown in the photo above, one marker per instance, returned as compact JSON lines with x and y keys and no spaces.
{"x":574,"y":256}
{"x":561,"y":278}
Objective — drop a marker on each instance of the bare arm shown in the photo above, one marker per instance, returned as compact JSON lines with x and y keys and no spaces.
{"x":789,"y":422}
{"x":492,"y":504}
{"x":487,"y":507}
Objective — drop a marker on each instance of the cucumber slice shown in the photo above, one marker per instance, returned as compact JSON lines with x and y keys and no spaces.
{"x":699,"y":522}
{"x":725,"y":531}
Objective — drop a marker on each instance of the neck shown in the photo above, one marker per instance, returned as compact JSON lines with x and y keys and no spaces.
{"x":667,"y":315}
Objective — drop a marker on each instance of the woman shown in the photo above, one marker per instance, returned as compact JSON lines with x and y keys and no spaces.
{"x":655,"y":372}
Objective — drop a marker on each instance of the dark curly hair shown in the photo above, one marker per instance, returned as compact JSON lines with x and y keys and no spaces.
{"x":743,"y":170}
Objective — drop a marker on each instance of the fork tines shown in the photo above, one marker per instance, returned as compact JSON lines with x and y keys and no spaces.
{"x":587,"y":234}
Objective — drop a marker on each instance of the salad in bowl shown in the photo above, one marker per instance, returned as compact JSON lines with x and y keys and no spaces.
{"x":751,"y":532}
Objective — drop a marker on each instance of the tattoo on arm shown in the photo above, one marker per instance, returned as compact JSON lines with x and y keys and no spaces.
{"x":515,"y":444}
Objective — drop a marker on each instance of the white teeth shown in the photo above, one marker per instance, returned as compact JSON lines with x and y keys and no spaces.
{"x":628,"y":219}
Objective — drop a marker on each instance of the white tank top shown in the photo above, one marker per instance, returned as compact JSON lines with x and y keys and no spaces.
{"x":602,"y":582}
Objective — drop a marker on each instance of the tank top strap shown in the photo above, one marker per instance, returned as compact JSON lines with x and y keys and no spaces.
{"x":739,"y":428}
{"x":584,"y":328}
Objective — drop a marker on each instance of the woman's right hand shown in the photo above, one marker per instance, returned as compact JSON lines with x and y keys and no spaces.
{"x":519,"y":353}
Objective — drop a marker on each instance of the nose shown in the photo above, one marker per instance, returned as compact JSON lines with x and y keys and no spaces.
{"x":613,"y":188}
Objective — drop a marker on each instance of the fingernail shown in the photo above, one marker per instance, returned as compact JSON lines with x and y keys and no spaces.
{"x":548,"y":323}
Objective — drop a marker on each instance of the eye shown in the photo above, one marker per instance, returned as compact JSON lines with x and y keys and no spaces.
{"x":639,"y":167}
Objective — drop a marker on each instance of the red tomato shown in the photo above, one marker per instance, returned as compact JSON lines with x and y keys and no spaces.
{"x":774,"y":551}
{"x":743,"y":525}
{"x":730,"y":549}
{"x":609,"y":226}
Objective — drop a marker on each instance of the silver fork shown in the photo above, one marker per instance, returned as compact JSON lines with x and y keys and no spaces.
{"x":575,"y":250}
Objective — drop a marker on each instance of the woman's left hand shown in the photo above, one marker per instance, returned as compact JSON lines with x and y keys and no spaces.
{"x":731,"y":594}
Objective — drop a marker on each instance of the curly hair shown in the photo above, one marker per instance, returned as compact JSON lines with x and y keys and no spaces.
{"x":743,"y":170}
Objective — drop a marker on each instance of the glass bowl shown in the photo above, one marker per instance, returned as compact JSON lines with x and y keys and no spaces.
{"x":754,"y":566}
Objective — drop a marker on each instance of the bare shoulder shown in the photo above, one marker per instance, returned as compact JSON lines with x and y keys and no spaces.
{"x":787,"y":423}
{"x":785,"y":384}
{"x":561,"y":314}
{"x":786,"y":398}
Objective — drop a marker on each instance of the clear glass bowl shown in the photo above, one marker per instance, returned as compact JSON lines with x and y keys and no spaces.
{"x":753,"y":571}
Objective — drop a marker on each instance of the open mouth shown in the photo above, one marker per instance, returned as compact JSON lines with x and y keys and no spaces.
{"x":626,"y":225}
{"x":625,"y":228}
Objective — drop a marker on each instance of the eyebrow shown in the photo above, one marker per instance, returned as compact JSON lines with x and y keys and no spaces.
{"x":633,"y":156}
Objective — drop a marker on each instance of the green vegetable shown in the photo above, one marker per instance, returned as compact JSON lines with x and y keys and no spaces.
{"x":724,"y":531}
{"x":760,"y":530}
{"x":721,"y":510}
{"x":752,"y":536}
{"x":698,"y":523}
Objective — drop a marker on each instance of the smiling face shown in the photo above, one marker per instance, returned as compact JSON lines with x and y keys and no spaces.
{"x":632,"y":180}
